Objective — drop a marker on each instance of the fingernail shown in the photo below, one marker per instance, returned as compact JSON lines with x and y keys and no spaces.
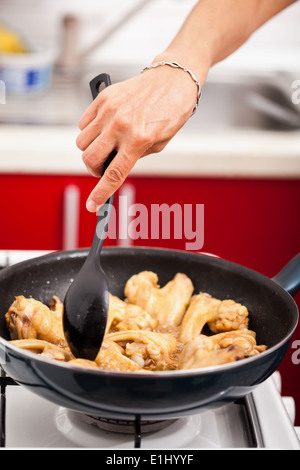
{"x":91,"y":206}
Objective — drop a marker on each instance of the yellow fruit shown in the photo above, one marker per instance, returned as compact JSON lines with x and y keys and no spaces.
{"x":10,"y":42}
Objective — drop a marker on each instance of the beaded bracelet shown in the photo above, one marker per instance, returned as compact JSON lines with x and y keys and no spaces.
{"x":178,"y":66}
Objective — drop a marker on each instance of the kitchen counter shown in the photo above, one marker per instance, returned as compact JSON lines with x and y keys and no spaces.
{"x":242,"y":153}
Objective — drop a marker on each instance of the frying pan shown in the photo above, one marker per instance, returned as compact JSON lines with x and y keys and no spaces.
{"x":159,"y":395}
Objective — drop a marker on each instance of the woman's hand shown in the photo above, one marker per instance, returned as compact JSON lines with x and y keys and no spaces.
{"x":136,"y":117}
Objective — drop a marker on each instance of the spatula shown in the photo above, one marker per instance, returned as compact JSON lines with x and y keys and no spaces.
{"x":86,"y":301}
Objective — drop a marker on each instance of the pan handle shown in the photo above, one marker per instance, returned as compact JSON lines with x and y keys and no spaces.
{"x":289,"y":276}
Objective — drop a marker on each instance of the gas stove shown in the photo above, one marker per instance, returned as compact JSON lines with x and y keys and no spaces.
{"x":262,"y":419}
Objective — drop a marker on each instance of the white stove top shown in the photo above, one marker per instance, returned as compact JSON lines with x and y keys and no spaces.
{"x":33,"y":422}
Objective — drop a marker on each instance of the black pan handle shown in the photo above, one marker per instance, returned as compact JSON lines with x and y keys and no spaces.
{"x":289,"y":276}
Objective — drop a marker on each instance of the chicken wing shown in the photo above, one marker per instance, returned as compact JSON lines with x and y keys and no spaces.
{"x":44,"y":348}
{"x":83,"y":363}
{"x":220,"y":348}
{"x":202,"y":308}
{"x":213,"y":358}
{"x":221,"y":315}
{"x":231,"y":315}
{"x":244,"y":338}
{"x":149,"y":349}
{"x":112,"y":356}
{"x":125,"y":316}
{"x":167,"y":304}
{"x":31,"y":319}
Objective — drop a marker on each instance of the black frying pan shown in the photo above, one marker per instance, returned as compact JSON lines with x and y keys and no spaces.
{"x":159,"y":395}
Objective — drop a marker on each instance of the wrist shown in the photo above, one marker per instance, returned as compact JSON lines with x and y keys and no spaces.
{"x":199,"y":66}
{"x":176,"y":65}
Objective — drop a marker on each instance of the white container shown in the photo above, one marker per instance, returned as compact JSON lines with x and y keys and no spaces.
{"x":26,"y":72}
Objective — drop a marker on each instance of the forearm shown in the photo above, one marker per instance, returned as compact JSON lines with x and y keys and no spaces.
{"x":215,"y":29}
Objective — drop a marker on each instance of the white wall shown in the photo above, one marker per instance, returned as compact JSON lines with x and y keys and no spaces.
{"x":275,"y":46}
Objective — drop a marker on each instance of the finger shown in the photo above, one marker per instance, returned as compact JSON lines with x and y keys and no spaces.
{"x":88,"y":116}
{"x":88,"y":134}
{"x":93,"y":110}
{"x":97,"y":152}
{"x":113,"y":178}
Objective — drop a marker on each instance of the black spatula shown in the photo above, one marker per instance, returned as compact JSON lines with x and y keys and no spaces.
{"x":86,"y":301}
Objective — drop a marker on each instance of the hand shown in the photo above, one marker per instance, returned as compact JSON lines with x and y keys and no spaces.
{"x":136,"y":117}
{"x":140,"y":116}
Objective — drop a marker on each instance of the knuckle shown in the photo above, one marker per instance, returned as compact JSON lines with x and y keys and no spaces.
{"x":121,"y":122}
{"x":114,"y":175}
{"x":107,"y":104}
{"x":142,"y":139}
{"x":91,"y":164}
{"x":158,"y":147}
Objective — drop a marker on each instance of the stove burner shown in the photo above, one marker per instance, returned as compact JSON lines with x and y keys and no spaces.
{"x":126,"y":426}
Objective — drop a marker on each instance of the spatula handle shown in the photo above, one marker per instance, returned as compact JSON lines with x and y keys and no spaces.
{"x":102,"y":80}
{"x":95,"y":84}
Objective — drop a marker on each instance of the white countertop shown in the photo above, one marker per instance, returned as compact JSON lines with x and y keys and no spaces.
{"x":52,"y":150}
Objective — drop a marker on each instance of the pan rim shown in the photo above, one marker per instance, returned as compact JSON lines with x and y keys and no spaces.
{"x":152,"y":374}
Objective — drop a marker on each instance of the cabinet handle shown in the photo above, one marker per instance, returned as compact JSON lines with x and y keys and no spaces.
{"x":71,"y":213}
{"x":126,"y":200}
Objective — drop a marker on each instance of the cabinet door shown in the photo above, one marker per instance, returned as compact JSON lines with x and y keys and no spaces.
{"x":45,"y":212}
{"x":251,"y":222}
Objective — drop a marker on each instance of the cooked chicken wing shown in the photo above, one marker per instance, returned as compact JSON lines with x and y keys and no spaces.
{"x":213,"y":358}
{"x":44,"y":348}
{"x":83,"y":362}
{"x":221,"y":315}
{"x":167,"y":304}
{"x":149,"y":349}
{"x":202,"y":308}
{"x":212,"y":350}
{"x":244,"y":338}
{"x":125,"y":316}
{"x":31,"y":319}
{"x":112,"y":356}
{"x":231,"y":315}
{"x":116,"y":311}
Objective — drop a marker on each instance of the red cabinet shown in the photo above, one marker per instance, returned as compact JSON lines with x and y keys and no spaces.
{"x":33,"y":211}
{"x":253,"y":222}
